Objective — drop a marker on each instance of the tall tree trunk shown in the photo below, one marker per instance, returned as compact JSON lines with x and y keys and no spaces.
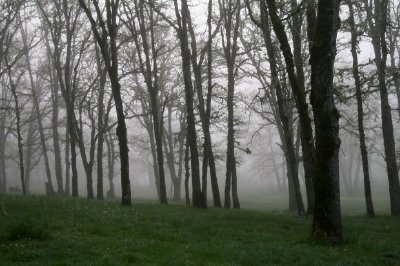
{"x":327,"y":222}
{"x":211,"y":158}
{"x":67,"y":162}
{"x":198,"y":198}
{"x":18,"y":124}
{"x":187,"y":171}
{"x":231,"y":13}
{"x":294,"y":67}
{"x":3,"y":176}
{"x":72,"y":143}
{"x":111,"y":163}
{"x":36,"y":110}
{"x":30,"y":142}
{"x":169,"y":153}
{"x":377,"y":21}
{"x":287,"y":138}
{"x":360,"y":114}
{"x":205,"y":106}
{"x":107,"y":41}
{"x":100,"y":124}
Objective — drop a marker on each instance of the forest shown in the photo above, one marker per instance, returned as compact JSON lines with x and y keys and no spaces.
{"x":198,"y":102}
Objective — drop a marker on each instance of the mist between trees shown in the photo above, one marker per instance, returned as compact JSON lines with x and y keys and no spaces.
{"x":202,"y":100}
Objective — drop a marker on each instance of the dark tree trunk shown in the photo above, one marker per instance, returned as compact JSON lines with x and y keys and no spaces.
{"x":360,"y":114}
{"x":111,"y":163}
{"x":100,"y":124}
{"x":3,"y":138}
{"x":187,"y":172}
{"x":294,"y":67}
{"x":287,"y":138}
{"x":18,"y":124}
{"x":327,"y":222}
{"x":36,"y":111}
{"x":149,"y":70}
{"x":378,"y":35}
{"x":231,"y":14}
{"x":30,"y":142}
{"x":74,"y":180}
{"x":205,"y":106}
{"x":107,"y":41}
{"x":198,"y":199}
{"x":169,"y":153}
{"x":55,"y":109}
{"x":67,"y":162}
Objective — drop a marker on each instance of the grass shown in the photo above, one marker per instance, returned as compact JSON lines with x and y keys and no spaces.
{"x":37,"y":230}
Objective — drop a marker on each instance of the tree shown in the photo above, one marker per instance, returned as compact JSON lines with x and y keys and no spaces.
{"x":63,"y":69}
{"x":294,"y":67}
{"x":286,"y":129}
{"x":327,"y":221}
{"x":360,"y":112}
{"x":147,"y":53}
{"x":13,"y":87}
{"x":36,"y":109}
{"x":378,"y":32}
{"x":230,"y":11}
{"x":182,"y":17}
{"x":105,"y":32}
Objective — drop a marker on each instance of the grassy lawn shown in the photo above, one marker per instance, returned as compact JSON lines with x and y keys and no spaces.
{"x":37,"y":230}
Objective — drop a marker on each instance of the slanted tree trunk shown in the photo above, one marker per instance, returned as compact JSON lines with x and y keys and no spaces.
{"x":67,"y":162}
{"x":3,"y":138}
{"x":231,"y":14}
{"x":169,"y":153}
{"x":100,"y":124}
{"x":55,"y":114}
{"x":294,"y":67}
{"x":204,"y":107}
{"x":110,"y":163}
{"x":18,"y":125}
{"x":149,"y":69}
{"x":107,"y":40}
{"x":377,"y":21}
{"x":182,"y":16}
{"x":327,"y":222}
{"x":292,"y":171}
{"x":360,"y":113}
{"x":29,"y":144}
{"x":187,"y":172}
{"x":36,"y":111}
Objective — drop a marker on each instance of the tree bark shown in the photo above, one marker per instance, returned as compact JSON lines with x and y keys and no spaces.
{"x":292,"y":171}
{"x":360,"y":114}
{"x":327,"y":222}
{"x":18,"y":124}
{"x":100,"y":125}
{"x":36,"y":110}
{"x":187,"y":172}
{"x":67,"y":162}
{"x":378,"y":35}
{"x":108,"y":45}
{"x":294,"y":67}
{"x":198,"y":198}
{"x":231,"y":14}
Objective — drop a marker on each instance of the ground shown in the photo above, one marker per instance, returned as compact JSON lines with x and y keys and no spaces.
{"x":38,"y":230}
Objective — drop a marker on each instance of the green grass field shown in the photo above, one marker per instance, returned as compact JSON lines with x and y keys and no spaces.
{"x":37,"y":230}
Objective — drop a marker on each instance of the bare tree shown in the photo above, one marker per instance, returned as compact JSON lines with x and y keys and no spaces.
{"x":377,"y":23}
{"x":360,"y":112}
{"x":230,"y":11}
{"x":147,"y":52}
{"x":105,"y":32}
